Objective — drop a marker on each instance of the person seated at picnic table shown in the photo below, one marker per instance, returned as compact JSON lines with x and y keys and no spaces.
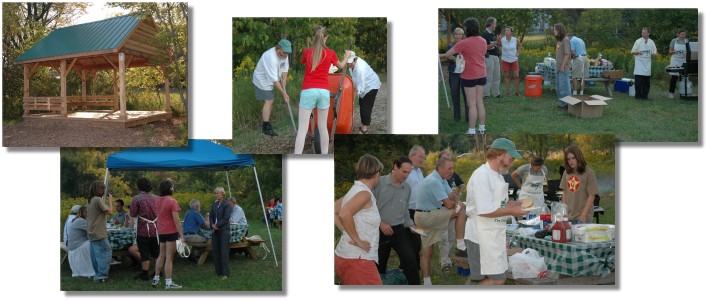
{"x":192,"y":221}
{"x":237,"y":215}
{"x":79,"y":246}
{"x":121,"y":215}
{"x":67,"y":224}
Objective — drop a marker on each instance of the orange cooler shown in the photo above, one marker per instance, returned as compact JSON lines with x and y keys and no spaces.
{"x":534,"y":83}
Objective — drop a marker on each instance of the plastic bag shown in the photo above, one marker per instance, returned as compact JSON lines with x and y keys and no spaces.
{"x":527,"y":264}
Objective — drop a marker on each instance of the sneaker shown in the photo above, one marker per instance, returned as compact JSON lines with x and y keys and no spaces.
{"x":671,"y":95}
{"x":224,"y":277}
{"x":482,"y":132}
{"x":486,"y":97}
{"x":470,"y":132}
{"x":103,"y":280}
{"x":114,"y":262}
{"x":461,"y":253}
{"x":155,"y":282}
{"x":172,"y":285}
{"x":446,"y":268}
{"x":268,"y":130}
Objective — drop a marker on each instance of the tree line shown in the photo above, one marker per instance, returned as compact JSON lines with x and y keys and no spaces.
{"x":597,"y":27}
{"x":253,"y":36}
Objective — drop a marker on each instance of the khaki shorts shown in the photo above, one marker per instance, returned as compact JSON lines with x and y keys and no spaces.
{"x":433,"y":223}
{"x":580,"y":67}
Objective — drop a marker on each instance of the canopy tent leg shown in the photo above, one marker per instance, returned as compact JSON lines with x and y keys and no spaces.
{"x":260,"y":194}
{"x":228,"y":182}
{"x":105,"y":183}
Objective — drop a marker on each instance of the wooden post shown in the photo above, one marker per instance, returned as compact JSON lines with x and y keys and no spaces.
{"x":27,"y":86}
{"x":115,"y":90}
{"x":168,"y":109}
{"x":121,"y":75}
{"x":83,"y":86}
{"x":62,"y":77}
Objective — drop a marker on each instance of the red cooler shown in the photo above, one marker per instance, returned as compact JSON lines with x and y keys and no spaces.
{"x":534,"y":83}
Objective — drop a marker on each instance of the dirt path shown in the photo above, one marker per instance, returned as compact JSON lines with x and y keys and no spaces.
{"x":285,"y":143}
{"x":59,"y":133}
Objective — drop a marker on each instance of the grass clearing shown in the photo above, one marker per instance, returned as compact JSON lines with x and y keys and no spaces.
{"x":658,"y":120}
{"x":246,"y":274}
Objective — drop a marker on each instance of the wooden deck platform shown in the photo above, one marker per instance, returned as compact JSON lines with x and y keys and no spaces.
{"x":111,"y":118}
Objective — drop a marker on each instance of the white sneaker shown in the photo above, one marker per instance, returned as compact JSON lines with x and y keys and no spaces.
{"x":671,"y":95}
{"x":470,"y":132}
{"x":172,"y":285}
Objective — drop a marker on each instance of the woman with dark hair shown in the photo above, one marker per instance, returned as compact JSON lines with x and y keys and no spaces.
{"x":315,"y":87}
{"x":510,"y":59}
{"x":142,"y":207}
{"x":473,"y":78}
{"x":579,"y":186}
{"x":168,"y":225}
{"x":357,"y":216}
{"x":456,"y":64}
{"x":562,"y":64}
{"x":79,"y":246}
{"x":221,"y":229}
{"x":98,"y":235}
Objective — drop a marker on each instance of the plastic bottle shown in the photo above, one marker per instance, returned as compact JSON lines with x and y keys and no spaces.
{"x":560,"y":232}
{"x":545,"y":218}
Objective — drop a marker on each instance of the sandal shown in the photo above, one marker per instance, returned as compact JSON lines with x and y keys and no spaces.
{"x":446,"y":268}
{"x":363,"y":132}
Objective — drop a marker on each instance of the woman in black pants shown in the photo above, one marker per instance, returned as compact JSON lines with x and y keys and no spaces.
{"x":219,"y":218}
{"x":367,"y":85}
{"x":454,"y":70}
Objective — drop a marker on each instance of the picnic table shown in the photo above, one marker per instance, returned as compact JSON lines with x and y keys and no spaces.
{"x":548,"y":72}
{"x":120,"y":238}
{"x":238,"y":240}
{"x":575,"y":258}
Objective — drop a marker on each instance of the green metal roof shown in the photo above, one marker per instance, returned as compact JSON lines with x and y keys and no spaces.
{"x":98,"y":35}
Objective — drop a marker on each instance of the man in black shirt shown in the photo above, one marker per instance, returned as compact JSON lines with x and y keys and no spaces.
{"x":492,"y":59}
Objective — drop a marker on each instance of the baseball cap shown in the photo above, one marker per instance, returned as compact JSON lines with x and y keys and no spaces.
{"x":507,"y":145}
{"x":351,"y":57}
{"x":286,"y":46}
{"x":75,"y":209}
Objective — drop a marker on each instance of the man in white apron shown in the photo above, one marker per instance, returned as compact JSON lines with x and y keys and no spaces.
{"x":488,"y":207}
{"x":533,"y":176}
{"x":643,"y":49}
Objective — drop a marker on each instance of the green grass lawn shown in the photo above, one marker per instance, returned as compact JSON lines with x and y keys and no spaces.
{"x":246,"y":274}
{"x":658,"y":120}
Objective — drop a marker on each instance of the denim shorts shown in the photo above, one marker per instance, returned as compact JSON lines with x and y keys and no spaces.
{"x":310,"y":98}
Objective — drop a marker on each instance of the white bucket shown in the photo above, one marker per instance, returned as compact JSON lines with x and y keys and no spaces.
{"x":685,"y":87}
{"x":632,"y":92}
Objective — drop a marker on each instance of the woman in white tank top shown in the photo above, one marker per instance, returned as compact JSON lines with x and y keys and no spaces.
{"x":357,"y":216}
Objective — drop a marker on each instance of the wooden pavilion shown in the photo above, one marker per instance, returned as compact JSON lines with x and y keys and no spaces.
{"x":113,"y":44}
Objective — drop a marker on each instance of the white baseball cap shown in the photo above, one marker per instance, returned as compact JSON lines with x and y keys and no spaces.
{"x":351,"y":57}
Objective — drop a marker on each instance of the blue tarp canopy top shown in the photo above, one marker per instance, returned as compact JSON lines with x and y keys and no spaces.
{"x":200,"y":155}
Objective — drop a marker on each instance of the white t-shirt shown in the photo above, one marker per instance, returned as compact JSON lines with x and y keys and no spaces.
{"x":480,"y":189}
{"x":269,"y":69}
{"x":365,"y":79}
{"x":642,"y":62}
{"x":509,"y":50}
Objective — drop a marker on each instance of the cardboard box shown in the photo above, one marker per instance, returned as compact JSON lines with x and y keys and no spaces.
{"x":612,"y":73}
{"x":585,"y":106}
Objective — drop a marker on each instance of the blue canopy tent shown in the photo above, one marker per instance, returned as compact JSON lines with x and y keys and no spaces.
{"x":200,"y":155}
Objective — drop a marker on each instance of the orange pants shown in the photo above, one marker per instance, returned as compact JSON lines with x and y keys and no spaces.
{"x":357,"y":271}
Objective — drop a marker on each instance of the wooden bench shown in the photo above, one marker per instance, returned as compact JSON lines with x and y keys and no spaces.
{"x":607,"y":81}
{"x":205,"y":248}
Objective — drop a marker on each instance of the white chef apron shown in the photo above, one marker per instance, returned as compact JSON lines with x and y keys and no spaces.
{"x":678,"y":60}
{"x":492,"y":235}
{"x":533,"y":188}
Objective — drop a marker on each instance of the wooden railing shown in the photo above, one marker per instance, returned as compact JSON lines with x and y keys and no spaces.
{"x":44,"y":103}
